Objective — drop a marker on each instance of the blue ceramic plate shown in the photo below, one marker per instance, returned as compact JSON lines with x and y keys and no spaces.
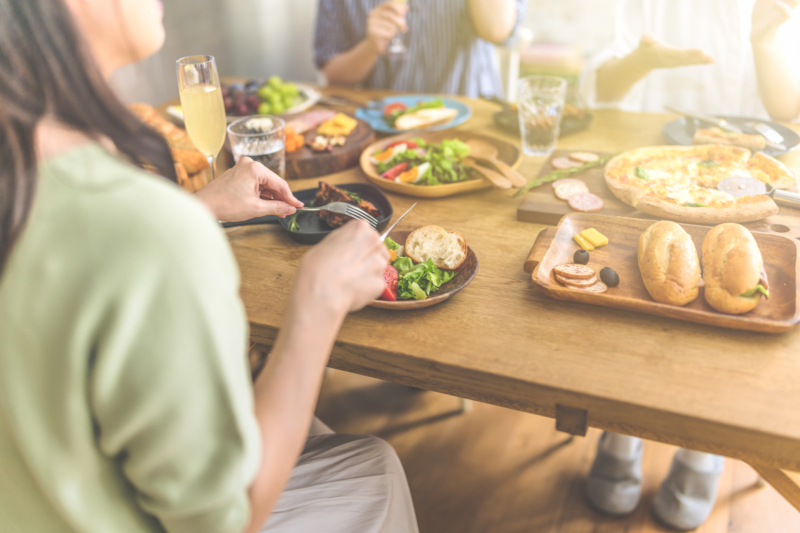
{"x":374,"y":115}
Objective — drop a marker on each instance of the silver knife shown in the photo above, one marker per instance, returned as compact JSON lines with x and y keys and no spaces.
{"x":385,"y":233}
{"x":719,"y":122}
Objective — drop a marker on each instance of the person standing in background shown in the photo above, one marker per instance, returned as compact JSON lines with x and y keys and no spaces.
{"x":450,"y":44}
{"x":732,"y":57}
{"x":726,"y":57}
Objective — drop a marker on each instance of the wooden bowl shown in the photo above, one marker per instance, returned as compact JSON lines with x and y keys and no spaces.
{"x":507,"y":152}
{"x":466,"y":273}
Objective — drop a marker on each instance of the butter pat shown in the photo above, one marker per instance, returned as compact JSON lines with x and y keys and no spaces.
{"x":583,"y":243}
{"x":594,"y":237}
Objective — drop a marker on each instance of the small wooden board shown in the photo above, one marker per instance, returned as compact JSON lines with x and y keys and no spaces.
{"x":305,"y":163}
{"x":542,"y":206}
{"x":555,"y":246}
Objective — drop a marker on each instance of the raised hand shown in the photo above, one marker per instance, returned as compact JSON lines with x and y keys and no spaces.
{"x":384,"y":22}
{"x":344,"y":272}
{"x":660,"y":55}
{"x":768,"y":16}
{"x":246,"y":191}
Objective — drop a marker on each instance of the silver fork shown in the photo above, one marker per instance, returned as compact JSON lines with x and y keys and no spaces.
{"x":343,"y":208}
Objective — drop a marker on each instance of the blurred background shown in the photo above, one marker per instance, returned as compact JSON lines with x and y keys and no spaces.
{"x":261,"y":38}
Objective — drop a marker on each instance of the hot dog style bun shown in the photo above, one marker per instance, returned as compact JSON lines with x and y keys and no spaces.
{"x":733,"y":269}
{"x":668,"y":264}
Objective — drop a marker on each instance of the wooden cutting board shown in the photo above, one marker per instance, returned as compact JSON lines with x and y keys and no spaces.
{"x":542,"y":206}
{"x":555,"y":246}
{"x":305,"y":163}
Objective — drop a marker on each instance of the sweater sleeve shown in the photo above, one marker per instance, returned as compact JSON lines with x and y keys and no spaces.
{"x":169,"y":386}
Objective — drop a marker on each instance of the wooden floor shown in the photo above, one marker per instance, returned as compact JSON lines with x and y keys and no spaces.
{"x":499,"y":471}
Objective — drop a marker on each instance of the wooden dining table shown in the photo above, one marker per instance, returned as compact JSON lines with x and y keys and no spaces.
{"x":502,"y":342}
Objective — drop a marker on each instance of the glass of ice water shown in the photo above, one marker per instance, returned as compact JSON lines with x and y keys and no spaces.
{"x":540,"y":106}
{"x":261,"y":138}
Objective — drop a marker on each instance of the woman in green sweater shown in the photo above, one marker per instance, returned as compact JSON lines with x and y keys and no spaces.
{"x":125,"y":398}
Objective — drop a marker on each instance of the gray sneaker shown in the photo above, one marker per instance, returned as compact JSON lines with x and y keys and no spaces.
{"x":614,"y":485}
{"x":687,"y":496}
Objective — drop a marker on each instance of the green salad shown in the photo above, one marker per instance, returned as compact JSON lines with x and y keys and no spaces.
{"x":444,"y":161}
{"x":417,"y":281}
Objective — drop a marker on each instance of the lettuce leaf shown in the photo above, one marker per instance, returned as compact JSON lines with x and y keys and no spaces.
{"x":426,"y":276}
{"x":390,"y":244}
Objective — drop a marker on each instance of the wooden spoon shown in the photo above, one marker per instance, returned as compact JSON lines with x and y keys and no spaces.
{"x":483,"y":151}
{"x":499,"y":181}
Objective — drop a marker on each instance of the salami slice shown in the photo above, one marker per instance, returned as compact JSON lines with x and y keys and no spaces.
{"x":585,"y":201}
{"x":565,"y":191}
{"x":565,"y":180}
{"x":580,"y":283}
{"x":583,"y":157}
{"x":574,"y":271}
{"x":563,"y":163}
{"x":598,"y":287}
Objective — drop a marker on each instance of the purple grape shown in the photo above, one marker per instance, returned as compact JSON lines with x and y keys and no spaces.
{"x":242,"y":109}
{"x":228,"y":103}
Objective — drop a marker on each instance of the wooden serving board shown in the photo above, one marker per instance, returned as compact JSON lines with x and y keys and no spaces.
{"x":305,"y":163}
{"x":555,"y":246}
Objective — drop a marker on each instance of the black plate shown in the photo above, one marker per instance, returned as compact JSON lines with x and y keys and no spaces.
{"x":312,"y":228}
{"x":681,"y":131}
{"x":509,"y":121}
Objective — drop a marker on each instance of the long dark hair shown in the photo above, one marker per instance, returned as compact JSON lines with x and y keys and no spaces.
{"x":47,"y":68}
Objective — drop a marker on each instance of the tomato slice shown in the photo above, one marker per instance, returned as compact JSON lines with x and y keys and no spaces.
{"x":390,"y":278}
{"x":391,"y":108}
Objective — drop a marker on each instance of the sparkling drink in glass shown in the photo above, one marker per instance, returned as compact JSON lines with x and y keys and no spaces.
{"x":203,"y":109}
{"x":540,"y":106}
{"x":262,"y":139}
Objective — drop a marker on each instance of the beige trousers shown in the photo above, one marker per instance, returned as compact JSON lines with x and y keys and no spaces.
{"x":344,"y":484}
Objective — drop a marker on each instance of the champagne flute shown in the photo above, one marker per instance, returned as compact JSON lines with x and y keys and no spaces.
{"x":396,"y":46}
{"x":203,"y":109}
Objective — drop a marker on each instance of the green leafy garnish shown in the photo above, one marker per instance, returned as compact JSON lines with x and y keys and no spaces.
{"x":556,"y":175}
{"x":444,"y":158}
{"x":390,"y":244}
{"x":397,"y":113}
{"x":692,"y":204}
{"x":418,"y":281}
{"x":754,"y":291}
{"x":353,"y":196}
{"x":293,"y":225}
{"x":707,"y":163}
{"x":641,"y":173}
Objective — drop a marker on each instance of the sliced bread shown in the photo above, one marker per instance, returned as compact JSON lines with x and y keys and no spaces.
{"x":447,"y":250}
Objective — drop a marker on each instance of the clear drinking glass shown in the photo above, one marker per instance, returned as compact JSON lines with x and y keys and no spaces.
{"x":203,"y":109}
{"x":396,"y":46}
{"x":540,"y":106}
{"x":261,"y":138}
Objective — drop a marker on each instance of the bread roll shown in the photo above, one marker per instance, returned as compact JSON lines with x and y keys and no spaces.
{"x":447,"y":250}
{"x":668,"y":263}
{"x":732,"y":266}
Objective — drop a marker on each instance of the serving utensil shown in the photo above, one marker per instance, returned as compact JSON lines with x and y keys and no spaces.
{"x":740,"y":186}
{"x":483,"y":151}
{"x":385,"y":233}
{"x":344,"y":208}
{"x":767,"y":131}
{"x":499,"y":181}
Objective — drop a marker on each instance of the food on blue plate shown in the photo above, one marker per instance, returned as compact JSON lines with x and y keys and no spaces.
{"x":424,"y":114}
{"x":434,"y":255}
{"x":416,"y":162}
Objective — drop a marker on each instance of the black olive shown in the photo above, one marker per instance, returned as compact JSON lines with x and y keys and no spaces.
{"x":609,"y":277}
{"x":581,"y":257}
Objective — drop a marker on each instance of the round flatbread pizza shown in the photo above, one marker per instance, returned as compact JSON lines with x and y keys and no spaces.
{"x":680,"y":182}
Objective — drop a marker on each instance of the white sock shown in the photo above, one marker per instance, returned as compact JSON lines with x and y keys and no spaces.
{"x":700,"y":461}
{"x":620,"y":446}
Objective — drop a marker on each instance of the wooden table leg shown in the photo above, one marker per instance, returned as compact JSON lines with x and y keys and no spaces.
{"x":785,"y":482}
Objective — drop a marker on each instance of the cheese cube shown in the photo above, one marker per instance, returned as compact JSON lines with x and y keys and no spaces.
{"x":583,"y":243}
{"x":594,"y":237}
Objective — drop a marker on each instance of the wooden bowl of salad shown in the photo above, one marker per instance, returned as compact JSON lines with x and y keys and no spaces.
{"x":427,"y":164}
{"x":464,"y":274}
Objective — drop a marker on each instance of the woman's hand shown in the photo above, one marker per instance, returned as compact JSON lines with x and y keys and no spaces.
{"x":660,"y":55}
{"x":768,"y":16}
{"x":345,"y":271}
{"x":246,"y":191}
{"x":384,"y":22}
